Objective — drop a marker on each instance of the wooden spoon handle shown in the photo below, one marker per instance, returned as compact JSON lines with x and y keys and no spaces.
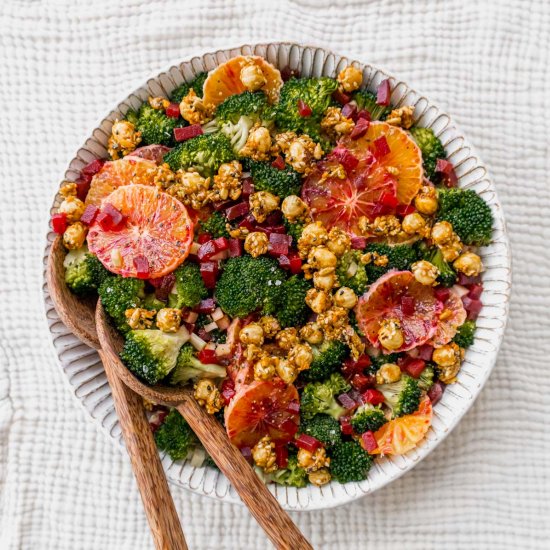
{"x":253,"y":492}
{"x":151,"y":480}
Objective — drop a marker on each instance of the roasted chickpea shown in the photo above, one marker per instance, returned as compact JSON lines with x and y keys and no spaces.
{"x":442,"y":233}
{"x":425,"y":272}
{"x":469,"y":264}
{"x":345,"y":297}
{"x":426,"y":201}
{"x":413,"y":224}
{"x":390,"y":334}
{"x":320,"y":257}
{"x":388,"y":373}
{"x":294,"y":209}
{"x":350,"y":78}
{"x":318,"y":300}
{"x":252,"y":334}
{"x":252,"y":77}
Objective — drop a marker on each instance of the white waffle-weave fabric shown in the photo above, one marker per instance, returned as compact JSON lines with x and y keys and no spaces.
{"x":64,"y":64}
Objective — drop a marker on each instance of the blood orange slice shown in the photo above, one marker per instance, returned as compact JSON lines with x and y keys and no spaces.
{"x":260,"y":409}
{"x":404,"y":156}
{"x":452,"y":316}
{"x":402,"y":434}
{"x":225,"y":79}
{"x":397,"y":295}
{"x":116,"y":173}
{"x":157,"y":229}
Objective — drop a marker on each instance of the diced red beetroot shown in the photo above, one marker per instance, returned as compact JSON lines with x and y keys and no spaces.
{"x":288,"y":427}
{"x":237,"y":211}
{"x":248,"y":187}
{"x":346,"y":158}
{"x":141,"y":263}
{"x":293,"y":407}
{"x":247,"y":453}
{"x":278,"y":163}
{"x":358,"y":243}
{"x":287,"y":73}
{"x":383,"y":93}
{"x":284,"y":262}
{"x":381,"y":147}
{"x":206,"y":306}
{"x":209,"y":273}
{"x":116,"y":215}
{"x":363,"y":113}
{"x":436,"y":392}
{"x":475,"y":291}
{"x":368,"y":442}
{"x":389,"y":199}
{"x":361,"y":381}
{"x":363,"y":362}
{"x":307,"y":442}
{"x":279,"y":243}
{"x":227,"y":390}
{"x":345,"y":425}
{"x":304,"y":110}
{"x":207,"y":250}
{"x":204,"y":238}
{"x":374,"y":397}
{"x":173,"y":110}
{"x":89,"y":214}
{"x":446,"y":169}
{"x":235,"y":248}
{"x":248,"y":223}
{"x":415,"y":367}
{"x":341,"y":97}
{"x":281,"y":452}
{"x":157,"y":418}
{"x":356,"y":396}
{"x":464,"y":280}
{"x":268,"y":230}
{"x":425,"y":352}
{"x":221,"y":244}
{"x":442,"y":293}
{"x":473,"y":307}
{"x":206,"y":356}
{"x":347,"y":402}
{"x":408,"y":304}
{"x":405,"y":209}
{"x":295,"y":263}
{"x":360,"y":129}
{"x":59,"y":223}
{"x":203,"y":335}
{"x":183,"y":134}
{"x":92,"y":168}
{"x":349,"y":110}
{"x":82,"y":187}
{"x":110,"y":219}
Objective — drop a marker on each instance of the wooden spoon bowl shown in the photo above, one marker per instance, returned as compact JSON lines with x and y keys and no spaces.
{"x":253,"y":492}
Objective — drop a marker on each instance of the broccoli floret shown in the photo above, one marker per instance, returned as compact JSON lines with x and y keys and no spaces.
{"x":315,"y":93}
{"x":426,"y":378}
{"x":215,"y":224}
{"x":354,"y":323}
{"x":291,"y":476}
{"x":294,"y":230}
{"x":152,"y":354}
{"x":175,"y":436}
{"x":327,"y":358}
{"x":447,"y":275}
{"x":119,"y":294}
{"x":465,"y":334}
{"x":290,"y":302}
{"x":155,"y":126}
{"x":188,"y":367}
{"x":351,"y":272}
{"x":83,"y":271}
{"x":183,"y":89}
{"x":403,"y":396}
{"x":151,"y":302}
{"x":319,"y":397}
{"x":349,"y":462}
{"x":367,"y":418}
{"x":324,"y":428}
{"x":189,"y":289}
{"x":400,"y":257}
{"x":204,"y":153}
{"x":431,"y":148}
{"x":279,"y":182}
{"x":367,"y":100}
{"x":381,"y":359}
{"x":468,"y":213}
{"x":248,"y":284}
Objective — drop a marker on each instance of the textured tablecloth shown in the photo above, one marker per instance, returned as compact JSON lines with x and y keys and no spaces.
{"x":64,"y":64}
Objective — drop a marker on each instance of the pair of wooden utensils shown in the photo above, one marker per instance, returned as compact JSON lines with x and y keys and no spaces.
{"x":89,"y":323}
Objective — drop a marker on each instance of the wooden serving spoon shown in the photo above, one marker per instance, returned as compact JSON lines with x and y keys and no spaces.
{"x":78,"y":315}
{"x":253,"y":492}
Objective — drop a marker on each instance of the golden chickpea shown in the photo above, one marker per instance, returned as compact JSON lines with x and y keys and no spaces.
{"x":339,"y":241}
{"x":350,"y":78}
{"x":252,"y":77}
{"x":287,"y":338}
{"x":256,"y":243}
{"x":345,"y":297}
{"x":312,"y":333}
{"x":425,"y":272}
{"x":73,"y":208}
{"x":318,"y":300}
{"x":169,"y":319}
{"x":301,"y":356}
{"x":262,"y":204}
{"x":469,"y":264}
{"x":263,"y":454}
{"x":208,"y":396}
{"x":159,"y":103}
{"x":264,"y":369}
{"x":286,"y":371}
{"x":320,"y":257}
{"x":388,"y":373}
{"x":446,"y":356}
{"x":390,"y":335}
{"x":124,"y":133}
{"x":442,"y":233}
{"x":270,"y":326}
{"x":313,"y":461}
{"x":258,"y":142}
{"x":252,"y":334}
{"x":320,"y":477}
{"x":74,"y":236}
{"x":413,"y":224}
{"x":324,"y":279}
{"x":426,"y":201}
{"x":294,"y":208}
{"x":314,"y":234}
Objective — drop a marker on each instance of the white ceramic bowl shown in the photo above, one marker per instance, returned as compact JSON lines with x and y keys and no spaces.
{"x":85,"y":374}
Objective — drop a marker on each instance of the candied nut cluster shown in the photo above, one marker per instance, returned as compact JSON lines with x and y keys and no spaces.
{"x":262,"y":203}
{"x":123,"y":140}
{"x":227,"y":182}
{"x":313,"y":461}
{"x":335,"y":124}
{"x":448,"y":359}
{"x":74,"y":236}
{"x":208,"y":396}
{"x":263,"y":454}
{"x":139,"y":318}
{"x":388,"y":373}
{"x":403,"y":117}
{"x":193,"y":109}
{"x":446,"y":240}
{"x":469,"y":264}
{"x":425,"y":272}
{"x":169,"y":319}
{"x":159,"y":103}
{"x":252,"y":77}
{"x":300,"y":152}
{"x":350,"y":78}
{"x":258,"y":144}
{"x":426,"y":200}
{"x":191,"y":189}
{"x":295,"y":209}
{"x":72,"y":207}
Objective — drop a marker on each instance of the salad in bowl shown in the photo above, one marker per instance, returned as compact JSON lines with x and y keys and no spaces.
{"x":297,"y":249}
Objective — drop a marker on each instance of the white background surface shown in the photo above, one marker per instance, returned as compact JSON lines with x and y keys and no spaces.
{"x":64,"y":64}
